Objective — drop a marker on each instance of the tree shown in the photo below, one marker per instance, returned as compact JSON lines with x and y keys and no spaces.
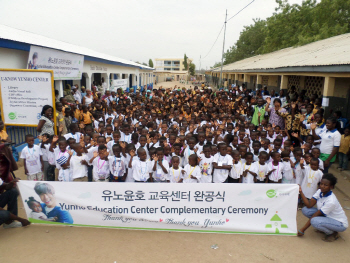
{"x":150,"y":63}
{"x":192,"y":69}
{"x":291,"y":25}
{"x":145,"y":64}
{"x":216,"y":65}
{"x":185,"y":62}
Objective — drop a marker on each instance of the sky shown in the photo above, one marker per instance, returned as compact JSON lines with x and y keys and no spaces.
{"x":138,"y":30}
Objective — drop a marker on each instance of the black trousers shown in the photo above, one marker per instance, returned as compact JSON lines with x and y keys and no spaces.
{"x":8,"y":198}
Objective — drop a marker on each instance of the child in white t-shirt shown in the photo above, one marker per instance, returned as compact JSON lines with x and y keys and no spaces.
{"x":192,"y":173}
{"x":189,"y":150}
{"x":141,"y":168}
{"x":100,"y":164}
{"x":205,"y":161}
{"x":275,"y":168}
{"x":288,"y":176}
{"x":312,"y":176}
{"x":262,"y":168}
{"x":237,"y":169}
{"x":222,"y":164}
{"x":249,"y":169}
{"x":79,"y":164}
{"x":175,"y":175}
{"x":33,"y":161}
{"x":159,"y":167}
{"x":117,"y":165}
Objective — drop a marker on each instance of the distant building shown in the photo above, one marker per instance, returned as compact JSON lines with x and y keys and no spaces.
{"x":320,"y":68}
{"x":171,"y":68}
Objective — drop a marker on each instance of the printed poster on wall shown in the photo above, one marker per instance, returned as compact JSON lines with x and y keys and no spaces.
{"x":119,"y":83}
{"x":23,"y":95}
{"x":64,"y":65}
{"x":266,"y":209}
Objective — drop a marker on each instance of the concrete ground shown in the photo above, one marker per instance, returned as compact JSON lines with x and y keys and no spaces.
{"x":39,"y":243}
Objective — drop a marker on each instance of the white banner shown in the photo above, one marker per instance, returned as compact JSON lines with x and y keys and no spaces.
{"x":64,"y":65}
{"x":218,"y":208}
{"x":119,"y":83}
{"x":23,"y":95}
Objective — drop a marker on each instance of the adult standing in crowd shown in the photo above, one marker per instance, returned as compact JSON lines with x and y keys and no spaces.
{"x":330,"y":142}
{"x":88,"y":99}
{"x":275,"y":119}
{"x":46,"y":125}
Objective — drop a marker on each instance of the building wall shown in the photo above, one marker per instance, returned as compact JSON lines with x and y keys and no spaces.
{"x":14,"y":59}
{"x":17,"y":59}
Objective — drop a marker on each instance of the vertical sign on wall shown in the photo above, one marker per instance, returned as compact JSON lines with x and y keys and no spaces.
{"x":23,"y":93}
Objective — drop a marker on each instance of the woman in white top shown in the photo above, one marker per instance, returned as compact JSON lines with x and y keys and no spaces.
{"x":330,"y":142}
{"x":329,"y":216}
{"x":87,"y":100}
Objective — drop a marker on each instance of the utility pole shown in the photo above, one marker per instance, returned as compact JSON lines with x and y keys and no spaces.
{"x":223,"y":49}
{"x":200,"y":58}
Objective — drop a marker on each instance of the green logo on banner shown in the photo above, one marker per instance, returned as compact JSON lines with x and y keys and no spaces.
{"x":271,"y":193}
{"x":12,"y":115}
{"x":276,"y":219}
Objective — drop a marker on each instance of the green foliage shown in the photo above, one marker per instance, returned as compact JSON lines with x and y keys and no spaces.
{"x":150,"y":63}
{"x":192,"y":69}
{"x":291,"y":25}
{"x":185,"y":62}
{"x":216,"y":65}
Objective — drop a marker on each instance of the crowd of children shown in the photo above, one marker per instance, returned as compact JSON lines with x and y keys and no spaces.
{"x":178,"y":136}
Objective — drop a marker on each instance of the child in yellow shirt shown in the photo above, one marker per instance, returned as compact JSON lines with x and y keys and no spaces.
{"x":344,"y":150}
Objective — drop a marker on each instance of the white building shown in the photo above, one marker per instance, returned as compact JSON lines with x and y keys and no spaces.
{"x":14,"y":54}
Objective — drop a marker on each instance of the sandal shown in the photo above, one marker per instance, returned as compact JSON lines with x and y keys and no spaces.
{"x":300,"y":234}
{"x":331,"y":238}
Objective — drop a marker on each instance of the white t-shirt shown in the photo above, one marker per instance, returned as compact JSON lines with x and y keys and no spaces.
{"x":262,"y":171}
{"x":192,"y":171}
{"x":330,"y":207}
{"x":129,"y":177}
{"x":236,"y":170}
{"x":45,"y":151}
{"x":141,"y":170}
{"x":100,"y":169}
{"x":50,"y":155}
{"x":32,"y":159}
{"x":78,"y":170}
{"x":90,"y":153}
{"x":206,"y":167}
{"x":288,"y":177}
{"x":75,"y":136}
{"x":220,"y":175}
{"x":310,"y":181}
{"x":159,"y":175}
{"x":117,"y":166}
{"x":277,"y":174}
{"x":110,"y":146}
{"x":174,"y":176}
{"x":125,"y":138}
{"x":249,"y":179}
{"x":329,"y":139}
{"x":63,"y":174}
{"x":187,"y":153}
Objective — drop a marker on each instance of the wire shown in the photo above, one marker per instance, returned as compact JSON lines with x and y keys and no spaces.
{"x":214,"y":42}
{"x":224,"y":25}
{"x":240,"y":11}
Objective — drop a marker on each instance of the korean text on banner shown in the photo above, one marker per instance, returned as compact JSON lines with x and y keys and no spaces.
{"x":64,"y":65}
{"x":23,"y":95}
{"x":218,"y":208}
